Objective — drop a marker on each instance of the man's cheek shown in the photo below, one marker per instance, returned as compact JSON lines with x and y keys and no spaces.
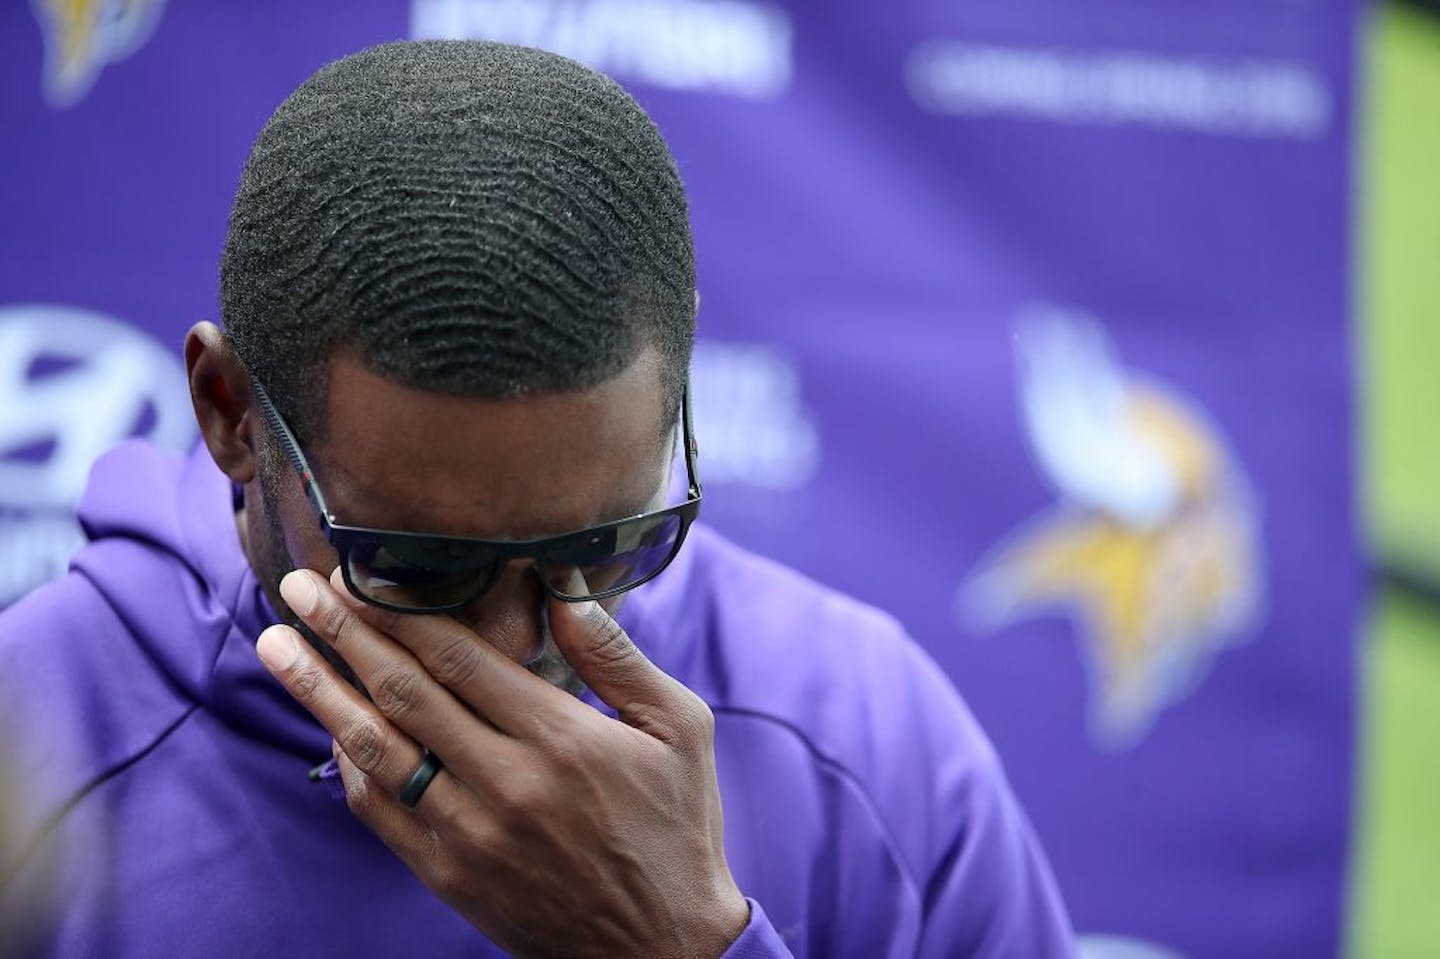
{"x":305,"y":544}
{"x":288,"y":539}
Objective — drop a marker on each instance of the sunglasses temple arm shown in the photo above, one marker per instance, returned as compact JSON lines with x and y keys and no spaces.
{"x":291,"y":446}
{"x":692,"y":449}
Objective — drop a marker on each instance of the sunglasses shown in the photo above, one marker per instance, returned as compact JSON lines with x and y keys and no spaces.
{"x":410,"y":572}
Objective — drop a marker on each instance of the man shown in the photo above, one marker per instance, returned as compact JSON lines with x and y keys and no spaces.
{"x":459,"y":299}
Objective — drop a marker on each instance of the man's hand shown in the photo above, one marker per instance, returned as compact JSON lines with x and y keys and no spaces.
{"x":552,"y":828}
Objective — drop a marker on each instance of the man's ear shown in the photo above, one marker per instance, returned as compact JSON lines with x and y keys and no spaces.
{"x":220,"y":393}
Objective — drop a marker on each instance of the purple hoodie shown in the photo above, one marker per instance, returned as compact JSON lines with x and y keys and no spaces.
{"x":865,"y":813}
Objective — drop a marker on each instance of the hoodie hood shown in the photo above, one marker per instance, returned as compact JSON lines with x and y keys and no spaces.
{"x":165,"y":555}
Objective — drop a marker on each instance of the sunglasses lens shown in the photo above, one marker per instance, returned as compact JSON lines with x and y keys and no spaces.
{"x":613,"y":558}
{"x":418,"y":572}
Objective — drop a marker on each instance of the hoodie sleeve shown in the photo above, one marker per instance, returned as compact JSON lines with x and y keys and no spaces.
{"x":908,"y":843}
{"x":975,"y":880}
{"x":759,"y":940}
{"x":993,"y":895}
{"x":988,"y":890}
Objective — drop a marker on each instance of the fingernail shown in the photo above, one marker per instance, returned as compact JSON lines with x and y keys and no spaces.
{"x":585,"y":609}
{"x":277,"y":648}
{"x":299,"y":592}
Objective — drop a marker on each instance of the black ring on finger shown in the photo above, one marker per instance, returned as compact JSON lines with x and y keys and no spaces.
{"x":420,"y":779}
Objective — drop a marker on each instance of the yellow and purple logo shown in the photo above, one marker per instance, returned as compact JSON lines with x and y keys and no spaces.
{"x":82,"y":36}
{"x":1153,"y":550}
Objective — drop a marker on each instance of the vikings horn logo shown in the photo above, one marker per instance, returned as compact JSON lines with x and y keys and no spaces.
{"x":81,"y":36}
{"x":1153,"y":550}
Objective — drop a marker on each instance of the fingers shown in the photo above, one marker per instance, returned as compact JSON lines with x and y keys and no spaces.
{"x":620,"y":674}
{"x":375,"y":746}
{"x":428,"y":674}
{"x":401,"y":692}
{"x":402,"y":829}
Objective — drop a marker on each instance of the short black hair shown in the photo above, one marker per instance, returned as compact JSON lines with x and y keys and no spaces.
{"x":473,"y":218}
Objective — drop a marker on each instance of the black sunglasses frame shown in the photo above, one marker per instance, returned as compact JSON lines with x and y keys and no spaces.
{"x":344,"y":538}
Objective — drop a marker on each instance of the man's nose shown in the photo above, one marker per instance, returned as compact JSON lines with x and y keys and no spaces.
{"x":509,"y":615}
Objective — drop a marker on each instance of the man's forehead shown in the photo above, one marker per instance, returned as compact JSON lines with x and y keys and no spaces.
{"x":505,"y":468}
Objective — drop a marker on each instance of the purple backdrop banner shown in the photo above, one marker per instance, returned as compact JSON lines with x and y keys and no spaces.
{"x":1027,"y":321}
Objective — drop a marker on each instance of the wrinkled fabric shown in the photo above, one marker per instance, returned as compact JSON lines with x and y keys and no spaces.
{"x":171,"y":813}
